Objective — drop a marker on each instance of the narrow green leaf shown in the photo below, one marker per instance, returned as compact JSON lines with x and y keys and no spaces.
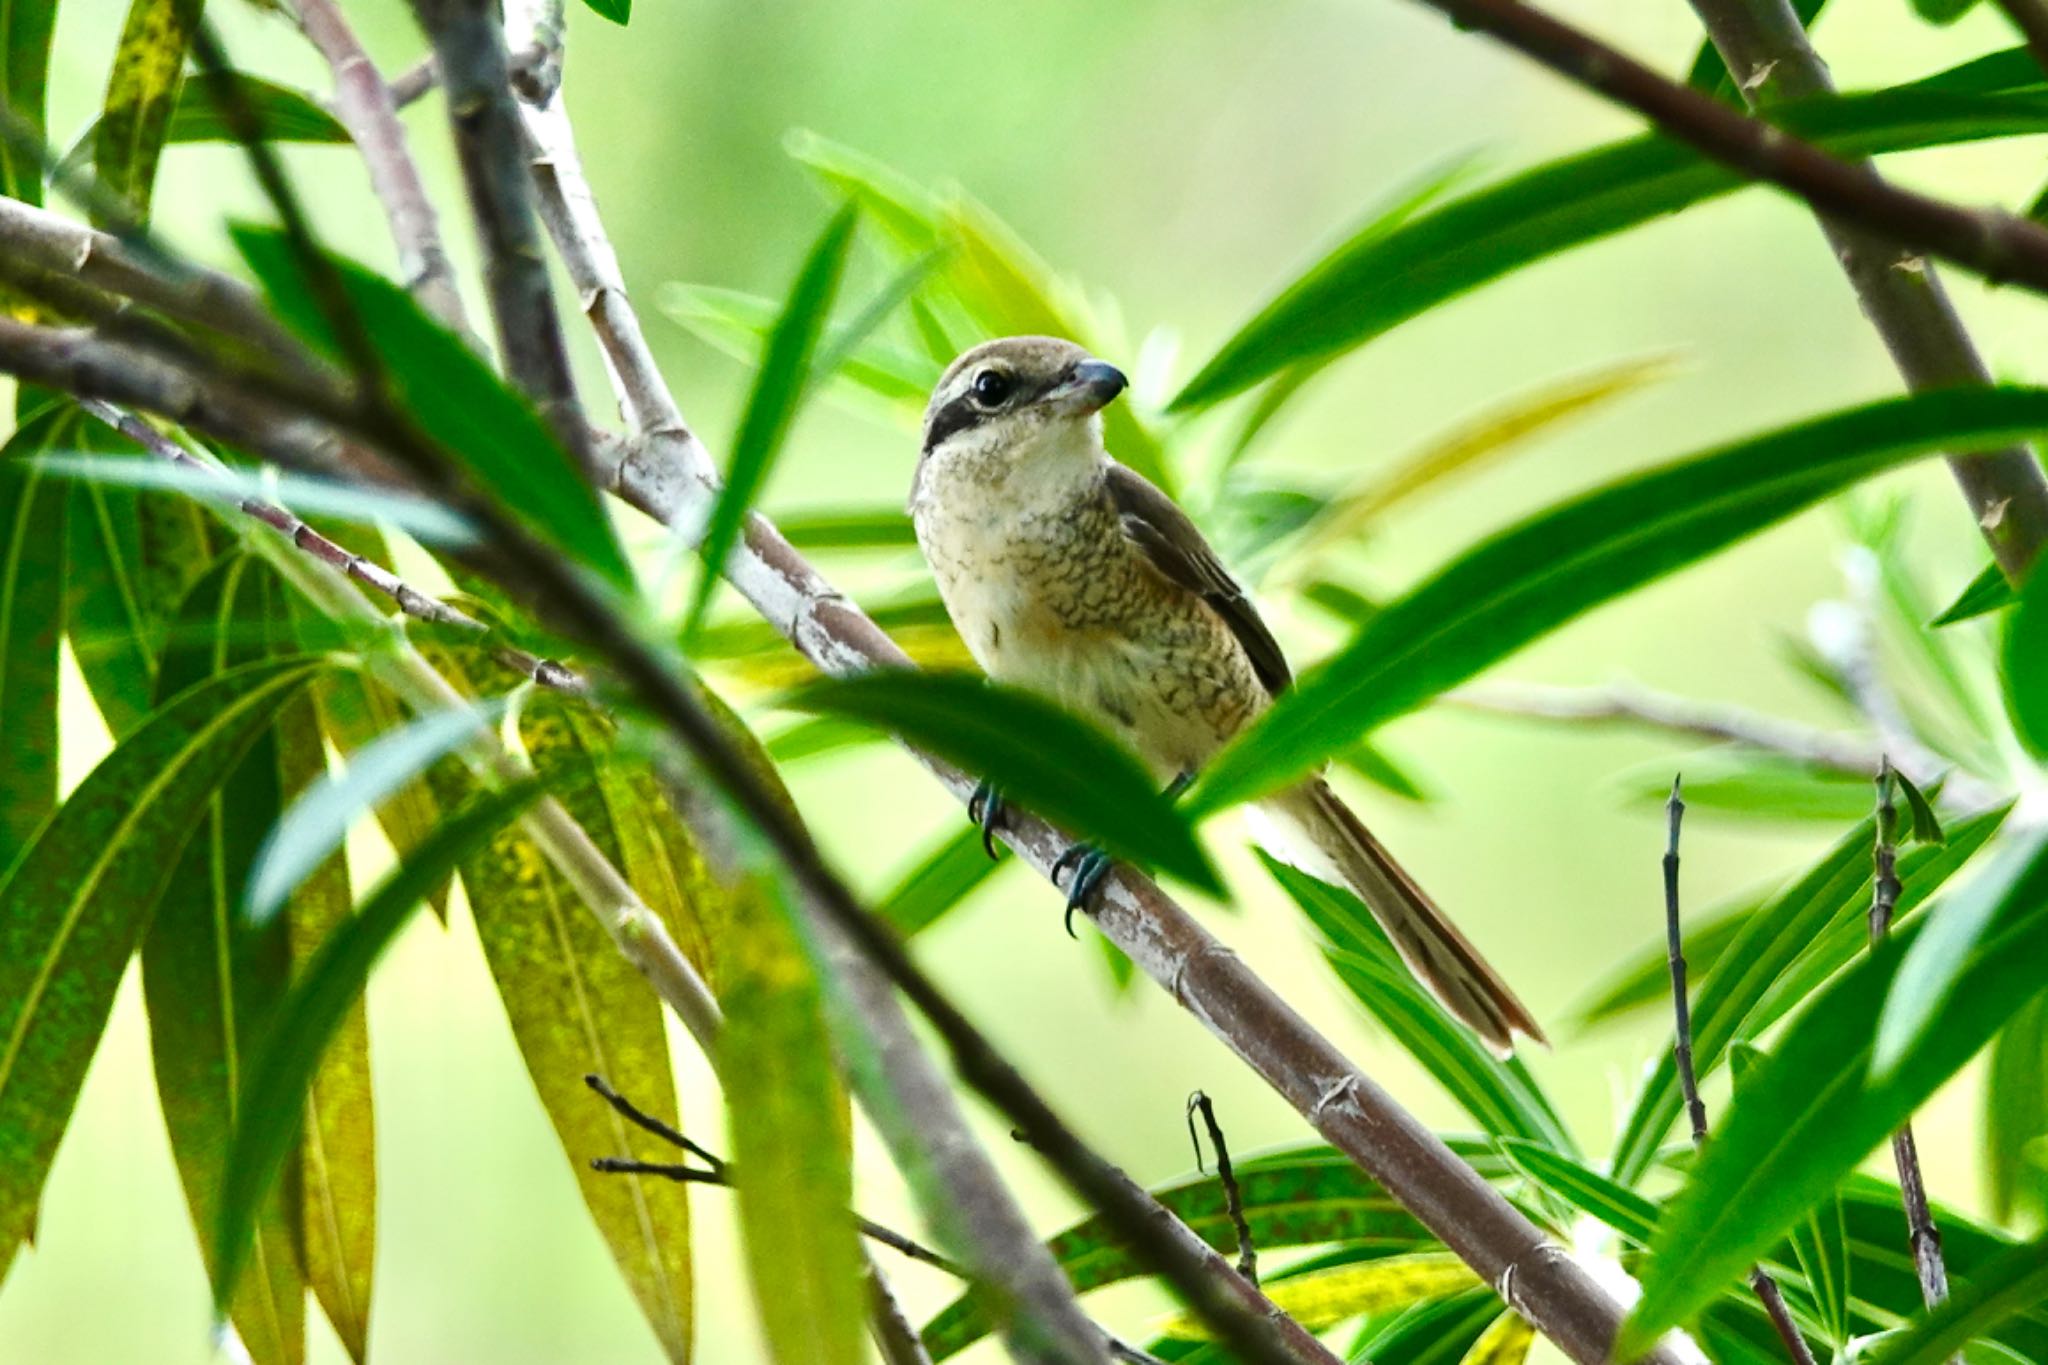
{"x":1437,"y":1333}
{"x":1987,"y":592}
{"x":2024,"y":664}
{"x":1628,"y":1213}
{"x":2015,"y":1281}
{"x":1506,"y":1342}
{"x":1380,"y":279}
{"x":1045,"y":758}
{"x":1526,"y":581}
{"x":110,"y":634}
{"x":1373,"y":763}
{"x":618,"y":11}
{"x":882,"y":529}
{"x":148,"y":72}
{"x":1943,"y":12}
{"x":32,"y":589}
{"x":25,"y":29}
{"x":281,"y":113}
{"x":1751,"y":785}
{"x":738,"y":324}
{"x":274,"y":1094}
{"x":76,"y":902}
{"x":1502,"y":1096}
{"x":2013,"y":68}
{"x":940,"y":881}
{"x":1814,"y":1109}
{"x":1710,"y":74}
{"x":2016,"y":1115}
{"x":1327,"y":1297}
{"x":772,"y":404}
{"x":1643,"y":981}
{"x":1925,"y":824}
{"x":354,"y":712}
{"x":457,"y":400}
{"x":1820,"y":1243}
{"x":847,"y":342}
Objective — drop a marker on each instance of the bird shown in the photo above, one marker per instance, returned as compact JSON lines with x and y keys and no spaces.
{"x":1070,"y":575}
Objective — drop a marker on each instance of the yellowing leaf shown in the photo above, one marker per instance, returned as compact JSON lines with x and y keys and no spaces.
{"x":1325,"y":1298}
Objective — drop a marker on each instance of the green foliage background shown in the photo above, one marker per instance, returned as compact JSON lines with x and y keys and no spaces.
{"x":1182,"y":156}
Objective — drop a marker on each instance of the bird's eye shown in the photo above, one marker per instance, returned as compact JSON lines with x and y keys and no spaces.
{"x":991,"y":387}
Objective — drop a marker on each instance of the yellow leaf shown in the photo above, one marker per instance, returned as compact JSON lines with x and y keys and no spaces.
{"x":1328,"y":1297}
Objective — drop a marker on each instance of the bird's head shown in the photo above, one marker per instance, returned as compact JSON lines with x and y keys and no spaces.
{"x":1018,"y":401}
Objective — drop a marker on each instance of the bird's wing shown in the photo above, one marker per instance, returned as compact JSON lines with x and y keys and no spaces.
{"x":1170,"y":541}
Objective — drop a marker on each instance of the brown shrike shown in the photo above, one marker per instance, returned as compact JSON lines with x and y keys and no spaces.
{"x":1068,"y":574}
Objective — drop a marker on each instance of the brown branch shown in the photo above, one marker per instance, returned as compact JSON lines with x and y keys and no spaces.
{"x":1760,"y":1280}
{"x":1233,"y":1197}
{"x":1767,"y":51}
{"x":1921,"y":1232}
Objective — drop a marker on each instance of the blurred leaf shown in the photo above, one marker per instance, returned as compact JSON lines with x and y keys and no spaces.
{"x":2013,"y":68}
{"x":1751,"y":784}
{"x":618,"y":11}
{"x":1502,"y":1096}
{"x":1440,"y":1332}
{"x":142,"y":89}
{"x":275,"y":1091}
{"x":1376,"y":766}
{"x":577,"y":1007}
{"x":459,"y":403}
{"x":814,"y":737}
{"x":772,"y":404}
{"x":1987,"y":592}
{"x":1925,"y":825}
{"x":1814,"y":1108}
{"x":320,"y":817}
{"x":1385,"y":275}
{"x":32,"y":591}
{"x":1526,"y":581}
{"x":1644,"y":978}
{"x":846,"y":342}
{"x":1328,"y":1297}
{"x":75,"y":903}
{"x":1709,"y":73}
{"x":1943,"y":12}
{"x":884,"y":528}
{"x":2024,"y":662}
{"x":25,"y":29}
{"x":791,"y":1138}
{"x":1881,"y":1262}
{"x":1820,"y":1242}
{"x":2015,"y":1281}
{"x":1304,"y":1196}
{"x":1781,"y":953}
{"x":738,"y":324}
{"x":281,"y":113}
{"x":212,"y":979}
{"x":1506,"y":1342}
{"x":945,"y":877}
{"x":2016,"y":1115}
{"x":1046,"y":759}
{"x":1618,"y":1207}
{"x":1346,"y":604}
{"x":354,"y":712}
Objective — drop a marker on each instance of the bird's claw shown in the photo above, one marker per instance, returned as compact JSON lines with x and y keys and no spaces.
{"x":1087,"y":866}
{"x":984,"y":808}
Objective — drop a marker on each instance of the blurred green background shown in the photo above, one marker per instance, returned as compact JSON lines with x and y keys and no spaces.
{"x":1184,"y":157}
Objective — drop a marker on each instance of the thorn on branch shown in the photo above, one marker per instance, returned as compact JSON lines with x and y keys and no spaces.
{"x":1233,"y":1197}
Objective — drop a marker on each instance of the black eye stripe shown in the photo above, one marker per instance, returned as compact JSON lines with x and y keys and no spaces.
{"x":962,"y":411}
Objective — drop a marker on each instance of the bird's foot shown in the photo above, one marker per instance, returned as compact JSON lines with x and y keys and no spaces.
{"x":984,"y":808}
{"x":1086,"y":865}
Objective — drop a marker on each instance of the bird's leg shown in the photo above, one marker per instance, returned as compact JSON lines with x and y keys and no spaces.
{"x":984,"y":808}
{"x":1182,"y":780}
{"x":1089,"y":864}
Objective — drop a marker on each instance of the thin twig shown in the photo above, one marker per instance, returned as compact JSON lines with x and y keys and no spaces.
{"x":1921,"y":1232}
{"x":640,"y":1118}
{"x":1760,"y":1280}
{"x":1233,"y":1197}
{"x":1767,"y":51}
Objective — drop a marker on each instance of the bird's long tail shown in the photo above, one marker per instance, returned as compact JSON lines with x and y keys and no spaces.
{"x":1340,"y":849}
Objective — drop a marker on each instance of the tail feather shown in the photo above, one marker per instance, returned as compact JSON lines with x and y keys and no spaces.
{"x":1441,"y":958}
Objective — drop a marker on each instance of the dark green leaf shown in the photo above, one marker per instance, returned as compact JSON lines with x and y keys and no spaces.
{"x":1815,"y":1108}
{"x":1987,"y":592}
{"x":1439,"y":1333}
{"x":1586,"y":1190}
{"x":1882,"y":1270}
{"x":32,"y":554}
{"x":1046,"y":759}
{"x":2016,"y":1115}
{"x":1502,"y":1096}
{"x":2015,"y":1281}
{"x":1926,"y":826}
{"x":1820,"y":1243}
{"x":1526,"y":581}
{"x":25,"y":29}
{"x":281,"y":113}
{"x":1710,"y":74}
{"x":2024,"y":663}
{"x":618,"y":11}
{"x":455,"y":397}
{"x":944,"y":878}
{"x":1943,"y":12}
{"x":772,"y":404}
{"x":2011,"y":69}
{"x":110,"y":635}
{"x":76,"y":902}
{"x":275,"y":1091}
{"x":1380,"y":279}
{"x":143,"y":88}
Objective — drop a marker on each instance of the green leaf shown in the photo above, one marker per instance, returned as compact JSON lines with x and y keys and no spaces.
{"x":142,"y":89}
{"x":459,"y":403}
{"x":1643,"y":980}
{"x":791,"y":1138}
{"x":738,"y":324}
{"x":2023,"y":661}
{"x":2016,"y":1115}
{"x":1372,"y":762}
{"x":274,"y":1094}
{"x":1926,"y":825}
{"x":1628,"y":1213}
{"x":110,"y":634}
{"x":1814,"y":1108}
{"x":1045,"y":758}
{"x":1381,"y":278}
{"x":1943,"y":12}
{"x":1526,"y":581}
{"x":897,"y":291}
{"x":1325,"y":1298}
{"x":1437,"y":1333}
{"x":1881,"y":1262}
{"x":281,"y":113}
{"x":354,"y":711}
{"x":1710,"y":74}
{"x":944,"y":878}
{"x":1751,"y":784}
{"x":618,"y":11}
{"x":885,"y":528}
{"x":2013,"y":1282}
{"x":1502,"y":1096}
{"x":1506,"y":1342}
{"x":772,"y":404}
{"x":2014,"y":68}
{"x":74,"y":905}
{"x":1782,"y":953}
{"x":1820,"y":1243}
{"x":32,"y":590}
{"x":1987,"y":592}
{"x":25,"y":29}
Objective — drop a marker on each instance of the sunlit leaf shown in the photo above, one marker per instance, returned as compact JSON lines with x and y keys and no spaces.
{"x":1751,"y":784}
{"x":76,"y":902}
{"x":1524,"y":582}
{"x":1046,"y":759}
{"x":1506,"y":1342}
{"x":2024,"y":663}
{"x":1987,"y":592}
{"x":1814,"y":1108}
{"x":1620,"y":1208}
{"x":142,"y":89}
{"x":1439,"y":1332}
{"x":25,"y":29}
{"x":2016,"y":1115}
{"x":1372,"y":762}
{"x":1381,"y":278}
{"x":940,"y":881}
{"x":738,"y":324}
{"x":1329,"y":1297}
{"x":885,"y":528}
{"x":772,"y":404}
{"x":618,"y":11}
{"x":32,"y":589}
{"x":492,"y":432}
{"x":1501,"y":1095}
{"x":281,"y":114}
{"x":274,"y":1093}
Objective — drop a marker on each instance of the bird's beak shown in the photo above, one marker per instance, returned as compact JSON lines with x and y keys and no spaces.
{"x":1088,"y":388}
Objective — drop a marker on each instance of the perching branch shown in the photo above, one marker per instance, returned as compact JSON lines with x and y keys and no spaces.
{"x":1760,"y":1281}
{"x":1766,"y":49}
